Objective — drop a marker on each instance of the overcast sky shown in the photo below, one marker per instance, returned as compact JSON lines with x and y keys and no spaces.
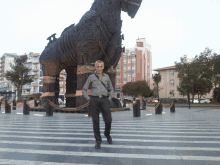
{"x":172,"y":27}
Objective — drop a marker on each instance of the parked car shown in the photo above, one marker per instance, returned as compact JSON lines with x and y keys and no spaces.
{"x":154,"y":101}
{"x":205,"y":100}
{"x":128,"y":100}
{"x":195,"y":101}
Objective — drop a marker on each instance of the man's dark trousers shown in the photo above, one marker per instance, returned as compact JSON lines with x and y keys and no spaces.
{"x":96,"y":105}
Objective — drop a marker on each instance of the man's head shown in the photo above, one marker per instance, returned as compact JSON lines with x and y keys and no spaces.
{"x":99,"y":66}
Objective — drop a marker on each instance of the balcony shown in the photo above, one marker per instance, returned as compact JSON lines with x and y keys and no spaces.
{"x":117,"y":89}
{"x":35,"y":69}
{"x":27,"y":87}
{"x":36,"y":55}
{"x":35,"y":62}
{"x":37,"y":76}
{"x":35,"y":84}
{"x":28,"y":61}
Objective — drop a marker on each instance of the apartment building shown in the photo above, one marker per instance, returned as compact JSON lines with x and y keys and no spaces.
{"x":35,"y":68}
{"x":169,"y":83}
{"x":6,"y":59}
{"x":135,"y":64}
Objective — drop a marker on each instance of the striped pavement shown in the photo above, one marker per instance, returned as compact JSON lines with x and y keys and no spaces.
{"x":188,"y":136}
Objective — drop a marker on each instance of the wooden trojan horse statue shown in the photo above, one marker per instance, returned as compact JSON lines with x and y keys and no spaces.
{"x":96,"y":37}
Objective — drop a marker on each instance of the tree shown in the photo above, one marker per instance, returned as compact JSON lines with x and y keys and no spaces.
{"x":182,"y":89}
{"x":157,"y":79}
{"x":19,"y":74}
{"x":186,"y":75}
{"x":215,"y":69}
{"x":202,"y":87}
{"x":138,"y":88}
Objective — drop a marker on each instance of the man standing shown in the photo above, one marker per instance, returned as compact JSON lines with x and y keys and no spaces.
{"x":99,"y":101}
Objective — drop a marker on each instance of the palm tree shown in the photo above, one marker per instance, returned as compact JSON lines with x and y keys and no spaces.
{"x":157,"y":79}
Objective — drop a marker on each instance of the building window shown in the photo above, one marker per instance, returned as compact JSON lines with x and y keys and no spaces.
{"x":40,"y":88}
{"x":118,"y":73}
{"x":125,"y":66}
{"x":171,"y":82}
{"x":133,"y":55}
{"x":118,"y":80}
{"x":129,"y":72}
{"x":133,"y":64}
{"x":133,"y":72}
{"x":134,"y":79}
{"x":41,"y":73}
{"x":124,"y":57}
{"x":172,"y":93}
{"x":125,"y":79}
{"x":41,"y":82}
{"x":171,"y":72}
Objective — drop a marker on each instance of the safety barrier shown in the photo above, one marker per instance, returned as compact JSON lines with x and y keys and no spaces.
{"x":51,"y":107}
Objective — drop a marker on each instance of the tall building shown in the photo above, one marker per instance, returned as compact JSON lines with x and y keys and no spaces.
{"x":135,"y":65}
{"x":35,"y":68}
{"x":6,"y":59}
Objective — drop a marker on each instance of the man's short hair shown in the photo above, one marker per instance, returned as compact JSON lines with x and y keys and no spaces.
{"x":99,"y":61}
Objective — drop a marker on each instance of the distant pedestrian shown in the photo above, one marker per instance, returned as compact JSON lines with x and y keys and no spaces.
{"x":99,"y":100}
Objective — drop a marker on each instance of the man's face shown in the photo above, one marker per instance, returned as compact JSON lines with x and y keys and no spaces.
{"x":99,"y":67}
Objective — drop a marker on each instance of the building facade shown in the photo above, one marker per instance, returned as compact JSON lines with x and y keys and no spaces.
{"x":6,"y":59}
{"x":169,"y":83}
{"x":135,"y":64}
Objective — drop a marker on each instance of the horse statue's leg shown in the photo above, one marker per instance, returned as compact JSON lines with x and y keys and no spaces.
{"x":71,"y":86}
{"x":57,"y":89}
{"x":50,"y":81}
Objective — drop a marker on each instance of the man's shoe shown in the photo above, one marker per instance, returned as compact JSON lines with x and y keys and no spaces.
{"x":109,"y":139}
{"x":98,"y":145}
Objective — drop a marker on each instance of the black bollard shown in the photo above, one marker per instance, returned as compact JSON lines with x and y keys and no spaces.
{"x":25,"y":108}
{"x":136,"y":109}
{"x":35,"y":103}
{"x":172,"y":109}
{"x":144,"y":105}
{"x":7,"y":107}
{"x":49,"y":109}
{"x":14,"y":105}
{"x":124,"y":105}
{"x":158,"y":110}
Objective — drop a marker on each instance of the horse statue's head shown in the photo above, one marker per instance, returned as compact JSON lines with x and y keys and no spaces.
{"x":130,"y":6}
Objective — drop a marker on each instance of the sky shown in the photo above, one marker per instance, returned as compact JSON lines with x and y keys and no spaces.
{"x":173,"y":28}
